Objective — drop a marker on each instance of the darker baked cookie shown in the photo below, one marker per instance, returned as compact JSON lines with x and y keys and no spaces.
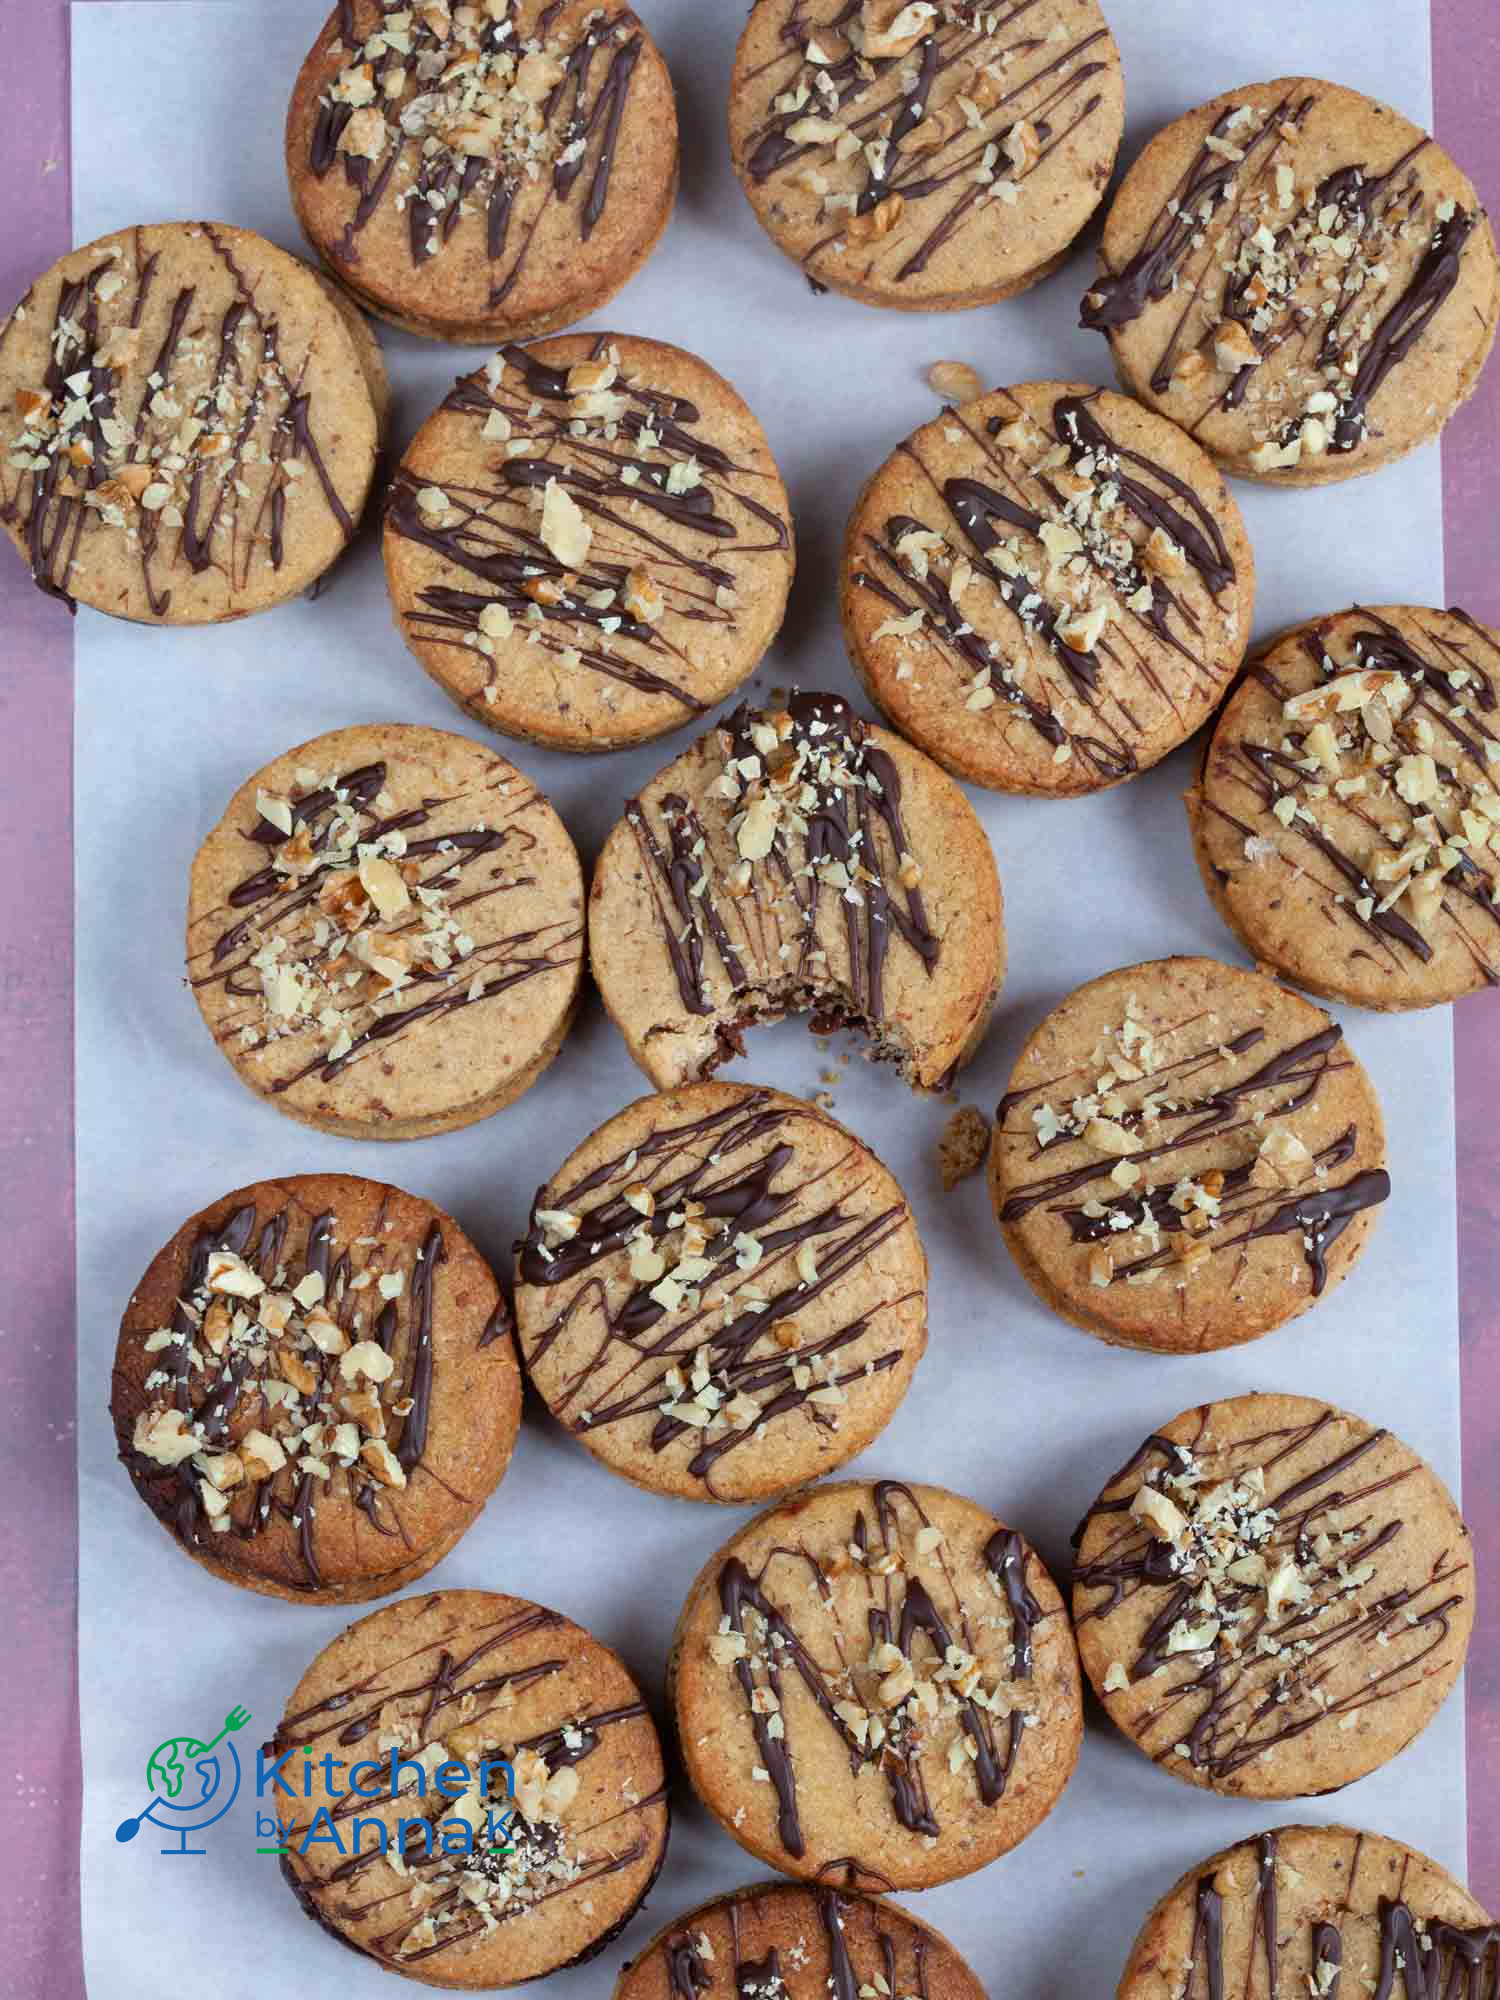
{"x":1047,"y":589}
{"x":1273,"y":1597}
{"x":1302,"y":278}
{"x":385,"y":932}
{"x":722,"y":1294}
{"x":877,"y":1683}
{"x":188,"y":424}
{"x":315,"y":1388}
{"x":440,"y":1883}
{"x":1347,"y":821}
{"x":925,"y":154}
{"x":1313,"y":1909}
{"x":793,"y":859}
{"x":588,"y":544}
{"x":1187,"y":1156}
{"x":474,"y":173}
{"x":784,"y":1941}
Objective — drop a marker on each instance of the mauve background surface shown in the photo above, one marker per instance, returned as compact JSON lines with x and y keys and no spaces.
{"x":39,"y":1931}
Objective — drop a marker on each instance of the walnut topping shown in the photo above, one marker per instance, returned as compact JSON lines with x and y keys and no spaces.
{"x":564,"y":530}
{"x":894,"y":27}
{"x":1234,"y":349}
{"x":955,"y":381}
{"x":382,"y":1461}
{"x":877,"y":221}
{"x":164,"y":1436}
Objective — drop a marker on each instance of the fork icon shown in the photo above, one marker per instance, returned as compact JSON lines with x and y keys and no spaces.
{"x":236,"y":1719}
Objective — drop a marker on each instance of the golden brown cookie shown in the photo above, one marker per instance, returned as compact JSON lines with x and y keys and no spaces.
{"x":1313,"y":1909}
{"x":385,"y":932}
{"x":722,"y":1294}
{"x":478,"y":173}
{"x":541,"y":1820}
{"x":879,"y":1683}
{"x":1047,"y":589}
{"x":188,"y":425}
{"x":1273,"y":1598}
{"x":315,"y":1388}
{"x":797,"y":859}
{"x":1346,"y":819}
{"x":1301,"y":278}
{"x":781,"y":1941}
{"x":1187,"y":1156}
{"x":925,"y":154}
{"x":588,"y":544}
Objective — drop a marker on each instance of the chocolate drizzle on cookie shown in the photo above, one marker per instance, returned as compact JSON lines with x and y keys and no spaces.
{"x":1099,"y":557}
{"x":808,"y":815}
{"x":473,"y":128}
{"x":355,"y":929}
{"x":958,"y":117}
{"x":635,"y":462}
{"x":466,"y":1679}
{"x":1370,"y":774}
{"x":1318,"y":280}
{"x":1271,"y":1573}
{"x":692,"y":1961}
{"x":264,"y":1400}
{"x":692,"y":1255}
{"x":870,"y":1699}
{"x":1266,"y":1183}
{"x":1421,"y":1957}
{"x":190,"y":456}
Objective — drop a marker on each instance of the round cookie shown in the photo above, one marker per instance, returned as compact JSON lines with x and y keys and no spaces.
{"x":796,"y":858}
{"x":385,"y":932}
{"x":1346,"y":816}
{"x":588,"y":544}
{"x":315,"y":1388}
{"x":1311,"y":1909}
{"x":478,"y":174}
{"x":1048,"y":589}
{"x":1301,"y":278}
{"x":781,"y":1941}
{"x":188,"y":426}
{"x":925,"y":156}
{"x":370,"y":354}
{"x":1187,"y":1156}
{"x":877,"y":1681}
{"x":722,"y":1294}
{"x":463,"y":1679}
{"x":1273,"y":1598}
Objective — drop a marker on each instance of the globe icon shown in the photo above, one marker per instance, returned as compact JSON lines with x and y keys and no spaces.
{"x":192,"y":1785}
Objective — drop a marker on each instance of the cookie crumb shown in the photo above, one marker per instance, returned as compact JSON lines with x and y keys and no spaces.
{"x":963,"y":1146}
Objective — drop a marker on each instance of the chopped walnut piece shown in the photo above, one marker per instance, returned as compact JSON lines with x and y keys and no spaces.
{"x":165,"y":1437}
{"x":955,"y":381}
{"x":893,"y":27}
{"x":877,"y":221}
{"x":564,"y":530}
{"x":261,"y":1456}
{"x":1105,"y":1135}
{"x":382,"y":1461}
{"x":1233,"y":348}
{"x":1282,"y":1161}
{"x":1166,"y":1520}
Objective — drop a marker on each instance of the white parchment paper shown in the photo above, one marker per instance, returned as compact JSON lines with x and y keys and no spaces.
{"x":177,"y":110}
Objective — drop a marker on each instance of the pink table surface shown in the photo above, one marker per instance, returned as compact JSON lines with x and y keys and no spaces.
{"x":40,"y":1944}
